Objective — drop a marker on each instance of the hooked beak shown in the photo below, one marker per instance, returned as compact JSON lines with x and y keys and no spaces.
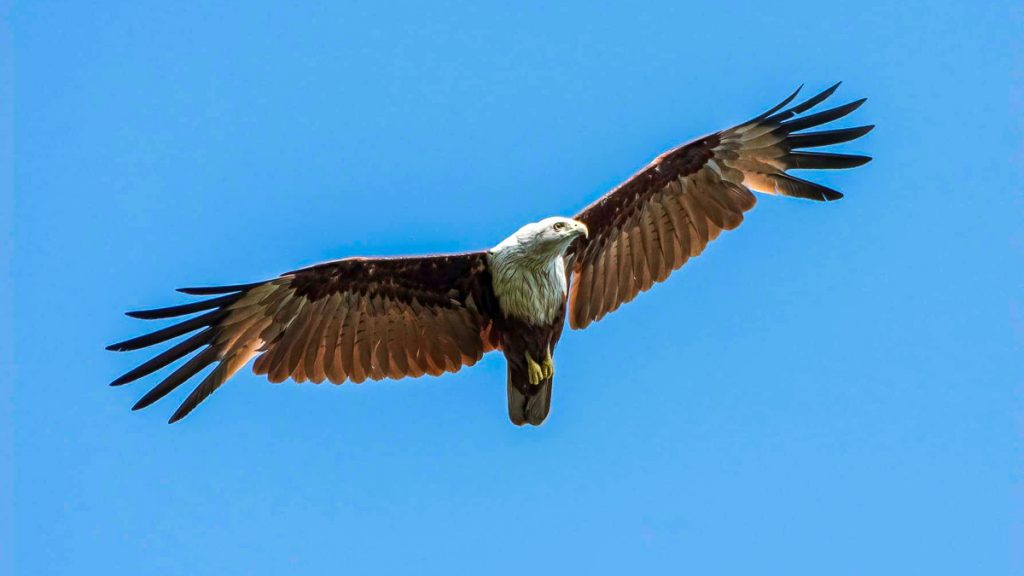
{"x":581,"y":229}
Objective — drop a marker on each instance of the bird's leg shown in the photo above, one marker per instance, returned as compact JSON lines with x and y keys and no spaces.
{"x":534,"y":371}
{"x":548,"y":366}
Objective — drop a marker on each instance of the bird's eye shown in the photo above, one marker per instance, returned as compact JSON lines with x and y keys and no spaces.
{"x":559,"y":226}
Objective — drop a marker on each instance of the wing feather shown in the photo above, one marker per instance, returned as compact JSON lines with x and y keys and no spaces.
{"x":625,"y":272}
{"x":346,"y":320}
{"x":666,"y":239}
{"x":376,"y":334}
{"x":668,"y":212}
{"x":411,"y":342}
{"x":333,"y":363}
{"x":350,"y":346}
{"x":317,"y":345}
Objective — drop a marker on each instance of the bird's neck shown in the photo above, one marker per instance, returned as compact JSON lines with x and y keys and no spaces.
{"x":530,"y":284}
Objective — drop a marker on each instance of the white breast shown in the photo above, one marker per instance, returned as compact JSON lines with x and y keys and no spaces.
{"x":527,"y":288}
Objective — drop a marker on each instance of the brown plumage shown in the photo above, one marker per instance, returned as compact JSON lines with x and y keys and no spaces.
{"x":351,"y":319}
{"x":373,"y":318}
{"x":668,"y":212}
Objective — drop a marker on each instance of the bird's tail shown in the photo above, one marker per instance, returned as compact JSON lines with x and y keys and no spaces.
{"x":527,"y":403}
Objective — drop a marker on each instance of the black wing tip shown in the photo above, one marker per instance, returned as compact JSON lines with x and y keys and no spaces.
{"x":178,"y":415}
{"x":821,"y":96}
{"x":186,"y":309}
{"x":818,"y":98}
{"x":774,"y":115}
{"x":795,"y":124}
{"x":149,"y":399}
{"x":778,"y":106}
{"x":823,"y":161}
{"x":209,"y":290}
{"x":131,"y":344}
{"x":170,"y":332}
{"x":861,"y":131}
{"x":851,"y":106}
{"x":154,"y":314}
{"x":145,"y":402}
{"x":860,"y":159}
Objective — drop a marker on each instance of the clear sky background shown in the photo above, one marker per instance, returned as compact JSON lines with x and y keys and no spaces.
{"x":831,"y":389}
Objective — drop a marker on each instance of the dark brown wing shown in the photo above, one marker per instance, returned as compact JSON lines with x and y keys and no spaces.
{"x":350,"y":319}
{"x":668,"y":212}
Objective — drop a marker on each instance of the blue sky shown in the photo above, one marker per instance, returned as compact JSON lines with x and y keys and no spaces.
{"x":831,"y":389}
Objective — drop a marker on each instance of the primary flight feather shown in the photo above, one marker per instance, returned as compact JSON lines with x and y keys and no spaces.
{"x":372,"y":318}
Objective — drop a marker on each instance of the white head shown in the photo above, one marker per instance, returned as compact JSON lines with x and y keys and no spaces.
{"x":528,"y":269}
{"x":546,"y":239}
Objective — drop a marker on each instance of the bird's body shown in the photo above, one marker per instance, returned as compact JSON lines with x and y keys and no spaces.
{"x":528,"y":277}
{"x":372,"y":318}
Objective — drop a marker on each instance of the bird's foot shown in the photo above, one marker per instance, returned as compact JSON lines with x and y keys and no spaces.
{"x":547,"y":367}
{"x":534,"y":371}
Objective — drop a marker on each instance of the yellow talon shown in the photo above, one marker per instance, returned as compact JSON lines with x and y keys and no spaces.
{"x":534,"y":371}
{"x":548,"y":366}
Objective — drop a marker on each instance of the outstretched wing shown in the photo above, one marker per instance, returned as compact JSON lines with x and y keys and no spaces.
{"x":668,"y":212}
{"x":349,"y":319}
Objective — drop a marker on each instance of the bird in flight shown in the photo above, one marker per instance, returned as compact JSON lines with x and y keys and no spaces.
{"x":373,"y":318}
